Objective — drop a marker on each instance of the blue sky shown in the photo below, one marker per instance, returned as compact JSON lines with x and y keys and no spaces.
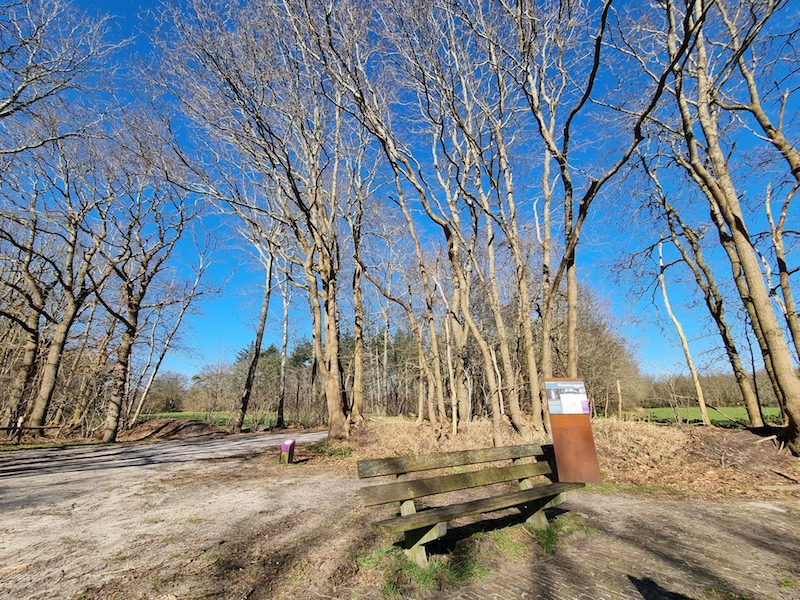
{"x":228,"y":320}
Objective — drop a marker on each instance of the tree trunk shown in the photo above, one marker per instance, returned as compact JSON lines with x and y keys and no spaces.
{"x":721,"y":193}
{"x":460,"y":336}
{"x":701,"y":399}
{"x":25,"y":372}
{"x":483,"y":346}
{"x":280,"y":422}
{"x":572,"y":318}
{"x":451,"y":374}
{"x":714,"y":302}
{"x":120,"y":381}
{"x":540,"y":419}
{"x":252,"y":368}
{"x":508,"y":372}
{"x":788,"y":304}
{"x":386,"y":387}
{"x":741,"y":286}
{"x":458,"y":394}
{"x":187,"y":301}
{"x":338,"y":422}
{"x":84,"y":398}
{"x":356,"y":415}
{"x":50,"y":372}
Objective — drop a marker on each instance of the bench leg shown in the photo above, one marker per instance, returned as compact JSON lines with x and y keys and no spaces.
{"x":415,"y":540}
{"x":535,"y":511}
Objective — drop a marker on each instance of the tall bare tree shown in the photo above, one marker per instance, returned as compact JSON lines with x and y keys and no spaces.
{"x":27,"y":286}
{"x":688,"y":242}
{"x":48,"y":52}
{"x":705,"y":149}
{"x":247,"y":388}
{"x":75,"y":210}
{"x":698,"y":388}
{"x":145,"y":223}
{"x":242,"y":73}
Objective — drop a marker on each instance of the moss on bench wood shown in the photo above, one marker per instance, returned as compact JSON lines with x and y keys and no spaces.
{"x":416,"y":488}
{"x":410,"y":464}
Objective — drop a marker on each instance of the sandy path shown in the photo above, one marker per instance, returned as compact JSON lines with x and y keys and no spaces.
{"x":76,"y":519}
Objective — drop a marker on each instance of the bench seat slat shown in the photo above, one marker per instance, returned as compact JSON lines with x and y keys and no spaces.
{"x":416,"y":488}
{"x":432,"y":516}
{"x":410,"y":464}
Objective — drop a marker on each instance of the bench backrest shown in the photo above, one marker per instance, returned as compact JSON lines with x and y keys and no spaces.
{"x":426,"y":462}
{"x":409,"y":489}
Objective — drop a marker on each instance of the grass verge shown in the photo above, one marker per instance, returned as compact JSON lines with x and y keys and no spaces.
{"x":470,"y":558}
{"x":401,"y":578}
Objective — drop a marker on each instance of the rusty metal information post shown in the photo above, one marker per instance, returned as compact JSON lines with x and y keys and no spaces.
{"x":571,"y":427}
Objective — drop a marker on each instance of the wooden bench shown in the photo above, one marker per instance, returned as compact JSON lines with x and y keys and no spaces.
{"x":429,"y":524}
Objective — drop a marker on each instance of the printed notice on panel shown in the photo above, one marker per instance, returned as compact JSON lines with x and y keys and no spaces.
{"x":567,"y":397}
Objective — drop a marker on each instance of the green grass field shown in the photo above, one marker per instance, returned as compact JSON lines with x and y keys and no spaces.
{"x":692,"y":415}
{"x":222,"y":419}
{"x":258,"y":420}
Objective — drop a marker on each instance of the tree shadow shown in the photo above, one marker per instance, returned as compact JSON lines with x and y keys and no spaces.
{"x":770,"y":430}
{"x":650,"y":590}
{"x":76,"y":459}
{"x":448,"y":544}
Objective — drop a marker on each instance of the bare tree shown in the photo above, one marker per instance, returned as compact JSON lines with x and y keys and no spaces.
{"x":285,"y":289}
{"x":27,"y":287}
{"x":703,"y":148}
{"x":241,"y":411}
{"x":701,"y":399}
{"x":550,"y":49}
{"x":183,"y":295}
{"x":688,"y":243}
{"x":756,"y":58}
{"x":381,"y":275}
{"x":148,"y":218}
{"x":74,"y":210}
{"x":48,"y":50}
{"x":241,"y":72}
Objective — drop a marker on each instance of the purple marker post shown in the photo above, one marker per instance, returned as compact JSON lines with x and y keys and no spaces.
{"x":287,"y":452}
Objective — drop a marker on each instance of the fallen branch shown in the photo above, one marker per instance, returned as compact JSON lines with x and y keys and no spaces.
{"x":730,"y":418}
{"x":780,"y":488}
{"x":786,"y":475}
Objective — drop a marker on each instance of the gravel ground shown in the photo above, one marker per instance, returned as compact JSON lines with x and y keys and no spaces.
{"x":221,"y":518}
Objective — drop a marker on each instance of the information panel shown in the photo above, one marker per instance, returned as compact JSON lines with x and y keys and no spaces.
{"x":567,"y":397}
{"x":571,"y":428}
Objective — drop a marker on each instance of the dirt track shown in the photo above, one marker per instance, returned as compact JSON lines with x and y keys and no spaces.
{"x":181,"y":520}
{"x":636,"y":548}
{"x":77,"y":519}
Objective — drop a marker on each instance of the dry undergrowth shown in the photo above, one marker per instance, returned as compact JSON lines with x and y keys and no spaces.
{"x":641,"y":457}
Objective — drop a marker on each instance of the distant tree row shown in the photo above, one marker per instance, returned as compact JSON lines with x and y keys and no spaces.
{"x":390,"y":382}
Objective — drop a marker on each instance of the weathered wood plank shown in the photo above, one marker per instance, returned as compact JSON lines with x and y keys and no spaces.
{"x":410,"y":464}
{"x":414,"y":542}
{"x":475,"y":507}
{"x":416,"y":488}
